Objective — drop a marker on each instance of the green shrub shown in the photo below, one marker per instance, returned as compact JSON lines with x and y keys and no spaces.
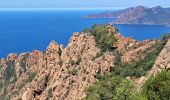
{"x":25,"y":56}
{"x":74,"y":71}
{"x":31,"y":76}
{"x":99,"y":76}
{"x":23,"y":61}
{"x":19,"y":99}
{"x":116,"y":88}
{"x":60,"y":62}
{"x":50,"y":93}
{"x":165,"y":36}
{"x":23,"y":65}
{"x":102,"y":37}
{"x":10,"y":71}
{"x":72,"y":62}
{"x":46,"y":78}
{"x":98,"y":55}
{"x":117,"y":58}
{"x":78,"y":61}
{"x":59,"y":51}
{"x":158,"y":87}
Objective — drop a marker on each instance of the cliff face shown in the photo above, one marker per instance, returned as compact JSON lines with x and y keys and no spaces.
{"x":64,"y":73}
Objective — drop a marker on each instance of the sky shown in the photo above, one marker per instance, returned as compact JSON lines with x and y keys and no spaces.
{"x":46,"y":4}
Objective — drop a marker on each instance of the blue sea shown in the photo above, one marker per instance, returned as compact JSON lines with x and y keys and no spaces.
{"x":24,"y":31}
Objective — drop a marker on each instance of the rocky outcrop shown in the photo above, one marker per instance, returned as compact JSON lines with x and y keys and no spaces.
{"x":79,"y":67}
{"x":58,"y":73}
{"x":64,"y":73}
{"x":131,"y":49}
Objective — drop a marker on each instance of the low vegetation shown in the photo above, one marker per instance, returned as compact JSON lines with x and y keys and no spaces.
{"x":23,"y":61}
{"x":115,"y":86}
{"x":78,"y":61}
{"x":9,"y":78}
{"x":103,"y":39}
{"x":158,"y":87}
{"x":74,"y":71}
{"x":50,"y":93}
{"x":31,"y":76}
{"x":59,"y":51}
{"x":138,"y":68}
{"x":10,"y":71}
{"x":119,"y":88}
{"x":60,"y":62}
{"x":165,"y":36}
{"x":72,"y":62}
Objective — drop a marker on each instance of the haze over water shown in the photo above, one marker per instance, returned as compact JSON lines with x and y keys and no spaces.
{"x":24,"y":31}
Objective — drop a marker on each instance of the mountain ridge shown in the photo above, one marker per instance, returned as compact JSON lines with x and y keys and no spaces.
{"x":138,"y":15}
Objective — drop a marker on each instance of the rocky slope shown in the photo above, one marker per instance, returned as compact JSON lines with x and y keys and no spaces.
{"x":64,"y":73}
{"x":138,"y":15}
{"x":162,"y":63}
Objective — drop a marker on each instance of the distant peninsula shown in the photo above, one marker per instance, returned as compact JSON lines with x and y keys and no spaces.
{"x":137,"y":15}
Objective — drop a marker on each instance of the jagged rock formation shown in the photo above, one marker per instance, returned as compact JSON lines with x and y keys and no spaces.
{"x":131,"y":49}
{"x":64,"y":73}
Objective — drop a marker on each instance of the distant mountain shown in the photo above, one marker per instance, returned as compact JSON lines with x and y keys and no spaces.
{"x":167,"y":9}
{"x":138,"y":15}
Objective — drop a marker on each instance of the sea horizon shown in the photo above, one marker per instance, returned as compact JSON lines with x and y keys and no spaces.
{"x":60,"y":9}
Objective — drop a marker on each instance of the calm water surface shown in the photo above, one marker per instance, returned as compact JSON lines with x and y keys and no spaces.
{"x":25,"y":31}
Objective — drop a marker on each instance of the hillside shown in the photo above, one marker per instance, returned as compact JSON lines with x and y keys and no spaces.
{"x":93,"y":58}
{"x":138,"y":15}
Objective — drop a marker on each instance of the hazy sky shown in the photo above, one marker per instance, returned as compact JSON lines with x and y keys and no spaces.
{"x":80,"y":3}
